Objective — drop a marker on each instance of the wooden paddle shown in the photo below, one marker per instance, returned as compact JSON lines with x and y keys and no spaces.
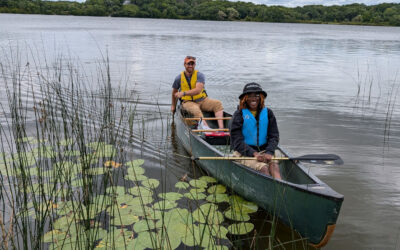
{"x":207,"y":118}
{"x":211,"y":130}
{"x":324,"y":159}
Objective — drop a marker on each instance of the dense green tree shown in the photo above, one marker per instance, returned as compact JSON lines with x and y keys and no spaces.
{"x":380,"y":14}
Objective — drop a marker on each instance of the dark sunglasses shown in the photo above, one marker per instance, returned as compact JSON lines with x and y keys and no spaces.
{"x":190,"y":63}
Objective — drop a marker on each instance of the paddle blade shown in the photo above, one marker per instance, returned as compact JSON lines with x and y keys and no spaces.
{"x":324,"y":159}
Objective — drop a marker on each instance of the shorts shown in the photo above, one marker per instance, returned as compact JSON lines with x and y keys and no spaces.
{"x":207,"y":104}
{"x":257,"y":165}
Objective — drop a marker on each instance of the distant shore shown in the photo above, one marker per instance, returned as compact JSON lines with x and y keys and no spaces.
{"x":385,"y":14}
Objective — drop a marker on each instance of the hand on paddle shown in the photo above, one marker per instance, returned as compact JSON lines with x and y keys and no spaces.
{"x":262,"y":157}
{"x":173,"y":109}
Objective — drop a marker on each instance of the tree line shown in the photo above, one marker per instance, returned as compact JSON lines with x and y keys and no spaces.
{"x":223,"y":10}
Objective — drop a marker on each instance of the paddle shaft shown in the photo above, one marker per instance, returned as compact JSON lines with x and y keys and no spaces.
{"x":237,"y":158}
{"x":326,"y":159}
{"x":211,"y":130}
{"x":207,"y":118}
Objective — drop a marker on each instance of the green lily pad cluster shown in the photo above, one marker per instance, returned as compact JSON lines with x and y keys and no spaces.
{"x":87,"y":209}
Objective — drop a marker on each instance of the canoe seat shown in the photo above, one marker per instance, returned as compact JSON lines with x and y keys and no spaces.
{"x":217,"y":138}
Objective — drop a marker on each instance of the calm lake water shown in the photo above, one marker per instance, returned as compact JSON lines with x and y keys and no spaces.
{"x":334,"y":89}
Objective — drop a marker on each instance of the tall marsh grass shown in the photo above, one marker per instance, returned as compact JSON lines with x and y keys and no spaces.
{"x":69,"y":180}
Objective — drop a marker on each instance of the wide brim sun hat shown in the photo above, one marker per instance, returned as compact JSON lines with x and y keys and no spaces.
{"x":252,"y":87}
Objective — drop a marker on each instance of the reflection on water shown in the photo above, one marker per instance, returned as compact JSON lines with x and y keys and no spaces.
{"x":333,"y":89}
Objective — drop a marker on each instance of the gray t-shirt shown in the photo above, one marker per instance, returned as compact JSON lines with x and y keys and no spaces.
{"x":177,"y":82}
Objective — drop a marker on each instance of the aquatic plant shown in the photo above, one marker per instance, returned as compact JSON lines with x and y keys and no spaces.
{"x":69,"y":179}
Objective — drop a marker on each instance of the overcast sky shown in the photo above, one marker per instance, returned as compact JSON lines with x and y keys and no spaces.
{"x":294,"y":3}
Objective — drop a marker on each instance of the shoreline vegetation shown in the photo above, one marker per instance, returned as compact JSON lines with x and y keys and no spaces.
{"x":385,"y":14}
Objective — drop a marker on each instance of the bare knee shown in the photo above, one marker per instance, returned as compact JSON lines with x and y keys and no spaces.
{"x":274,"y":170}
{"x":218,"y":108}
{"x":264,"y":170}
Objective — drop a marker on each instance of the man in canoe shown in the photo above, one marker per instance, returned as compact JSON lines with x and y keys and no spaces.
{"x":254,"y":131}
{"x":189,"y":88}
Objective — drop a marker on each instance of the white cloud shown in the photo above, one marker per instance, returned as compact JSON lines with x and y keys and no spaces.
{"x":295,"y":3}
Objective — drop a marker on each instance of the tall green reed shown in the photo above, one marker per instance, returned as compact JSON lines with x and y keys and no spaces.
{"x":59,"y":168}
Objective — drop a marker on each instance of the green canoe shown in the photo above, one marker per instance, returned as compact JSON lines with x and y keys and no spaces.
{"x":300,"y":200}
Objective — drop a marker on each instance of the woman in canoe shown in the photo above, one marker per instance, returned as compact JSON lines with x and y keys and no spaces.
{"x":254,"y":131}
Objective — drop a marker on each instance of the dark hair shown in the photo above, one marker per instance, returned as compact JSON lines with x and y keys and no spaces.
{"x":243,"y":102}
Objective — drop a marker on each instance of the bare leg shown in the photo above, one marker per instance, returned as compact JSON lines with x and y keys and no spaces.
{"x":265,"y":170}
{"x":220,"y":114}
{"x":274,"y":170}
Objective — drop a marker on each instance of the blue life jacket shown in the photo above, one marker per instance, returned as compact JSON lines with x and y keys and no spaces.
{"x":255,"y":132}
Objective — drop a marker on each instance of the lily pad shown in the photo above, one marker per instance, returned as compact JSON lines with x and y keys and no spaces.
{"x":90,"y":212}
{"x":198,"y":183}
{"x":95,"y":145}
{"x":239,"y":204}
{"x":97,"y":171}
{"x":208,"y":213}
{"x":72,"y":153}
{"x":117,"y":190}
{"x":216,"y":189}
{"x":217,"y":247}
{"x":182,"y":185}
{"x":165,"y":205}
{"x":54,"y":235}
{"x":218,"y":198}
{"x":29,"y":139}
{"x":240,"y":228}
{"x":64,"y":222}
{"x":107,"y":150}
{"x":135,"y":163}
{"x":196,"y":237}
{"x":139,"y":201}
{"x":151,"y":183}
{"x":141,"y":191}
{"x":88,"y":159}
{"x":137,"y":177}
{"x":96,"y":233}
{"x":236,"y":215}
{"x":120,"y":210}
{"x":176,"y":216}
{"x":116,"y":238}
{"x":153,"y":214}
{"x":144,"y":211}
{"x":124,"y":220}
{"x":66,"y":142}
{"x":171,"y":196}
{"x":194,"y":194}
{"x":146,"y":240}
{"x":135,"y":170}
{"x":64,"y":208}
{"x":144,"y":225}
{"x":77,"y":183}
{"x":44,"y":152}
{"x":208,"y":179}
{"x":217,"y":231}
